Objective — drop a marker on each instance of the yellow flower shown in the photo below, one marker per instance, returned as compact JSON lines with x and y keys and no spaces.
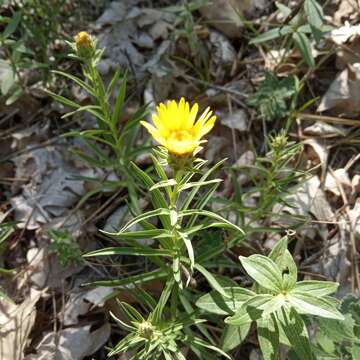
{"x":83,"y":40}
{"x":85,"y":44}
{"x":176,"y":129}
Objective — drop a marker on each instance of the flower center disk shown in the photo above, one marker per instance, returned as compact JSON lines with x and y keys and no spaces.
{"x":181,"y":135}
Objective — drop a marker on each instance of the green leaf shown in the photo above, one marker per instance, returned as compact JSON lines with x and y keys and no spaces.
{"x":314,"y":12}
{"x":270,"y":99}
{"x":211,"y":215}
{"x":140,"y":218}
{"x":197,"y":184}
{"x":76,"y":80}
{"x":124,"y":343}
{"x":272,"y":306}
{"x":285,"y":11}
{"x":202,"y":343}
{"x":288,"y":267}
{"x":132,"y":280}
{"x":6,"y":230}
{"x":268,"y":335}
{"x":215,"y":303}
{"x":355,"y":351}
{"x":12,"y":26}
{"x":282,"y":257}
{"x":250,"y":311}
{"x":113,"y":82}
{"x":189,"y":249}
{"x":135,"y":118}
{"x":119,"y":100}
{"x":338,"y":330}
{"x":176,"y":270}
{"x":142,"y":234}
{"x":305,"y":303}
{"x":90,"y":108}
{"x":98,"y":151}
{"x":315,"y":288}
{"x":303,"y":45}
{"x":133,"y":251}
{"x":163,"y":183}
{"x":201,"y":203}
{"x":317,"y":33}
{"x":271,"y":35}
{"x":295,"y":330}
{"x":8,"y":80}
{"x":264,"y":271}
{"x":130,"y":312}
{"x":122,"y":323}
{"x":195,"y":189}
{"x":211,"y":279}
{"x":233,"y":336}
{"x":63,"y":100}
{"x":90,"y":160}
{"x":190,"y":311}
{"x":156,"y":316}
{"x":325,"y":342}
{"x":279,"y":249}
{"x":157,"y":199}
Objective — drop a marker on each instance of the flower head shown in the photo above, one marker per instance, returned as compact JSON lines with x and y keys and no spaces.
{"x":85,"y":44}
{"x":176,"y":127}
{"x":146,"y":330}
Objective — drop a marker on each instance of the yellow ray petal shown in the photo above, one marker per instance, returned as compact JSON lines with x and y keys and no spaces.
{"x":207,"y":127}
{"x":192,"y":116}
{"x":154,"y":133}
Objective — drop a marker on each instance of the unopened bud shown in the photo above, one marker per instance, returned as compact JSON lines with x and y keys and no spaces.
{"x":146,"y":330}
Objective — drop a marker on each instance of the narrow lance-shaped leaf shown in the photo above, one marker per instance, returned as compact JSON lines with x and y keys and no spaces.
{"x":195,"y":189}
{"x":201,"y":203}
{"x":113,"y":82}
{"x":189,"y":249}
{"x":12,"y":26}
{"x":163,"y":183}
{"x":211,"y":215}
{"x":190,"y":311}
{"x":176,"y":270}
{"x":271,"y":35}
{"x":156,"y":316}
{"x":198,"y":183}
{"x":63,"y":100}
{"x":83,"y":108}
{"x":200,"y":342}
{"x":157,"y":198}
{"x":132,"y":280}
{"x":119,"y":100}
{"x":211,"y":279}
{"x":132,"y":251}
{"x":303,"y":44}
{"x":139,"y":218}
{"x":78,"y":81}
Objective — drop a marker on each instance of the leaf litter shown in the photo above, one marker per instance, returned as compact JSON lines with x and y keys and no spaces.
{"x":47,"y":185}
